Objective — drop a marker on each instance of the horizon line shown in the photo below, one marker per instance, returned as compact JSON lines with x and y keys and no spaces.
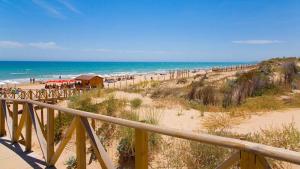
{"x":127,"y":61}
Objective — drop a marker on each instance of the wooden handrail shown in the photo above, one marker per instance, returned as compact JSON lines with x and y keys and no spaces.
{"x":269,"y":151}
{"x":251,"y":155}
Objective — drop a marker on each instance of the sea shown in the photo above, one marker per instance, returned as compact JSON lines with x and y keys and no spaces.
{"x":22,"y":71}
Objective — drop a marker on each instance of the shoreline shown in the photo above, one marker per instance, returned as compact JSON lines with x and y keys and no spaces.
{"x":21,"y":72}
{"x":131,"y":78}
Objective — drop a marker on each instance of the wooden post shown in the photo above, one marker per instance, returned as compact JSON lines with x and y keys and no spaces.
{"x":30,"y":94}
{"x":39,"y":95}
{"x":80,"y":146}
{"x":247,"y":160}
{"x":2,"y":121}
{"x":15,"y":122}
{"x":141,"y":149}
{"x":46,"y":96}
{"x":42,"y":117}
{"x":93,"y":124}
{"x":28,"y":128}
{"x":50,"y":135}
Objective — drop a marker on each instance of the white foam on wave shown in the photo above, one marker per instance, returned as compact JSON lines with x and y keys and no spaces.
{"x":104,"y":74}
{"x":16,"y":73}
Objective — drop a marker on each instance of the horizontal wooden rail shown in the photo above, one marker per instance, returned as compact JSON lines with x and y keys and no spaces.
{"x":255,"y":149}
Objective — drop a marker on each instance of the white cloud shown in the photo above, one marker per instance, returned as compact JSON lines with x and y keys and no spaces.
{"x":11,"y":44}
{"x":48,"y":8}
{"x":102,"y":50}
{"x":69,"y":6}
{"x":257,"y":42}
{"x":44,"y":45}
{"x":37,"y":45}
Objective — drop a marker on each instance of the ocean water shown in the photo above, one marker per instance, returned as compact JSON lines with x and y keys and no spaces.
{"x":21,"y":71}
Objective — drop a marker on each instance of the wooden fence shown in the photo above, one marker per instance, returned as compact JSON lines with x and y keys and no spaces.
{"x":250,"y":155}
{"x":44,"y":95}
{"x":233,"y":68}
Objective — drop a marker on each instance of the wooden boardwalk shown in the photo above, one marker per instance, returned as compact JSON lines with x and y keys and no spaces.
{"x":19,"y":128}
{"x":13,"y":156}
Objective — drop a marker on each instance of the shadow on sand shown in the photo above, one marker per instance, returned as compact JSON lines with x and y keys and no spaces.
{"x":32,"y":161}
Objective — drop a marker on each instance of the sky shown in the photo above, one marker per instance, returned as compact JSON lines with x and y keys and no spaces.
{"x":149,"y":30}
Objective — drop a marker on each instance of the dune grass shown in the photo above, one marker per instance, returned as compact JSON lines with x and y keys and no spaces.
{"x":194,"y":155}
{"x":135,"y":103}
{"x":126,"y":146}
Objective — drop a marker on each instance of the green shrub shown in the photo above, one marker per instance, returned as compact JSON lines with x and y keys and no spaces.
{"x":61,"y":122}
{"x":126,"y":146}
{"x":181,"y":81}
{"x":155,"y":84}
{"x":136,"y":103}
{"x":111,"y":106}
{"x":82,"y":102}
{"x":71,"y":163}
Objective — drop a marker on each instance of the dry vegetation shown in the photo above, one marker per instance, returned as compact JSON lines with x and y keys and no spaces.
{"x":195,"y":155}
{"x":230,"y":98}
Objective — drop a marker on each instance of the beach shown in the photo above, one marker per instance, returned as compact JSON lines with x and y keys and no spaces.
{"x":122,"y":81}
{"x":22,"y":71}
{"x":165,"y":98}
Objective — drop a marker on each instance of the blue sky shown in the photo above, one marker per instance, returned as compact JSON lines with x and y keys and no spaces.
{"x":149,"y":30}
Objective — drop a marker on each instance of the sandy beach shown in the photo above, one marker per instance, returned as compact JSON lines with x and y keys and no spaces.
{"x":123,"y":82}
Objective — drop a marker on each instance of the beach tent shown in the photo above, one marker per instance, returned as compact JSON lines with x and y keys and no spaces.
{"x":92,"y":81}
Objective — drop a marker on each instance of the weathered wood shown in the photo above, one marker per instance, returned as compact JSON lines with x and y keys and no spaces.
{"x":28,"y":129}
{"x":269,"y":151}
{"x":30,"y":94}
{"x":65,"y":139}
{"x":38,"y":130}
{"x":7,"y":118}
{"x":93,"y":124}
{"x":141,"y":149}
{"x":247,"y":160}
{"x":21,"y":124}
{"x":230,"y":161}
{"x":14,"y":122}
{"x":2,"y":121}
{"x":264,"y":150}
{"x":50,"y":135}
{"x":42,"y":116}
{"x":98,"y":148}
{"x":262,"y":163}
{"x":80,"y":146}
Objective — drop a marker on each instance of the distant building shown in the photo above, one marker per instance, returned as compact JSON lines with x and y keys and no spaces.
{"x":87,"y":81}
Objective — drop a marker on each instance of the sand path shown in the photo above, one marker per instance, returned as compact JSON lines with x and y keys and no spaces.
{"x":269,"y":119}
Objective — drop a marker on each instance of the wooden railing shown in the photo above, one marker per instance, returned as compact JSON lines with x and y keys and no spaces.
{"x":250,"y":155}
